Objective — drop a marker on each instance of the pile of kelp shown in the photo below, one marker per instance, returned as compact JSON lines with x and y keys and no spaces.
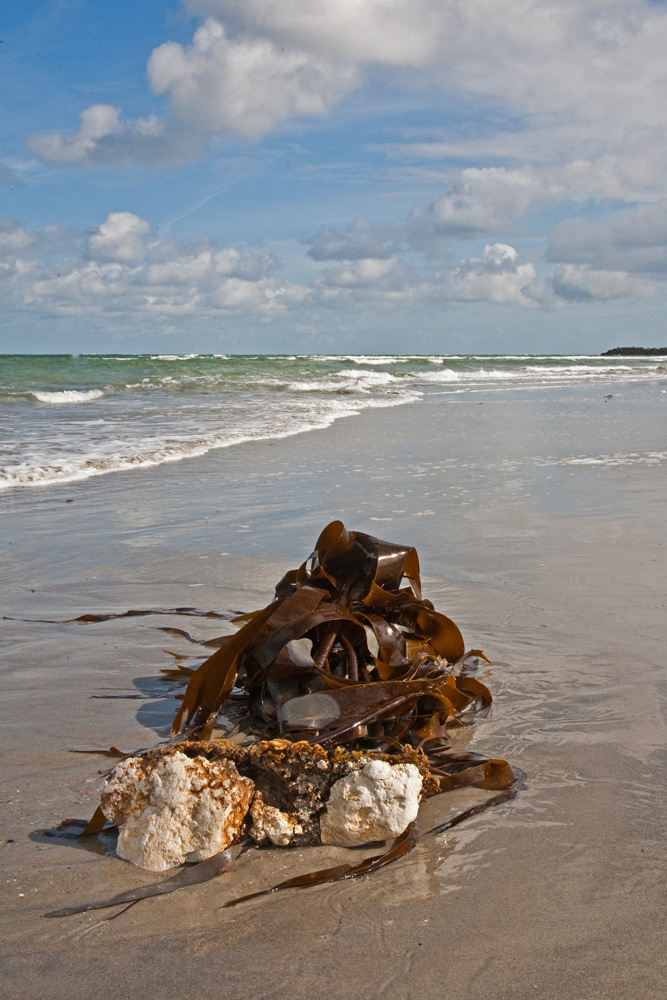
{"x":348,"y":655}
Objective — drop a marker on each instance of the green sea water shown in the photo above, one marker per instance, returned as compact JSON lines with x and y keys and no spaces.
{"x":68,"y":417}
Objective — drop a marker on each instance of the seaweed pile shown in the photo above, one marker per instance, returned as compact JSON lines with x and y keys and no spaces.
{"x":347,"y":655}
{"x":349,"y":661}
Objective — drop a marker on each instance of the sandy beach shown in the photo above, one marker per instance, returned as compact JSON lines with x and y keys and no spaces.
{"x":540,"y":521}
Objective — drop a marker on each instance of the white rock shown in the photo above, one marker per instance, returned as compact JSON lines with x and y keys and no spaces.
{"x":272,"y":824}
{"x":179,"y":809}
{"x":374,"y":803}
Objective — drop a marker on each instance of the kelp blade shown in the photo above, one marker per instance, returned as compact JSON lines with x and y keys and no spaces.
{"x":495,"y":800}
{"x":400,"y":847}
{"x":203,"y":871}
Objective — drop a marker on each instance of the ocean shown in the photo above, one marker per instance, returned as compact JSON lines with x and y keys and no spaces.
{"x":69,"y":417}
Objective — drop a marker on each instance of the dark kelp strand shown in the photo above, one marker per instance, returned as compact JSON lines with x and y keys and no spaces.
{"x":203,"y":871}
{"x":400,"y":847}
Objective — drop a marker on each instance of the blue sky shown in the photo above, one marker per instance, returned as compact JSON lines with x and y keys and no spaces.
{"x":322,"y":175}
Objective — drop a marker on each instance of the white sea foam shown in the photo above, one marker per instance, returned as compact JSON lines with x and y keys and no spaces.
{"x":367,"y":381}
{"x":372,"y":359}
{"x":531,"y":375}
{"x":109,"y":453}
{"x":173,"y":357}
{"x":597,"y":370}
{"x":366,"y":378}
{"x":347,"y":382}
{"x":611,"y":461}
{"x":67,"y":396}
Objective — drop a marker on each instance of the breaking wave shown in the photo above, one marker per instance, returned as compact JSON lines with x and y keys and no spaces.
{"x":67,"y":396}
{"x":68,"y":418}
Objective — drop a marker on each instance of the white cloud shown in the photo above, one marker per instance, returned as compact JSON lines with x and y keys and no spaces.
{"x":633,"y":169}
{"x":497,"y":276}
{"x":255,"y":66}
{"x":203,"y":269}
{"x":14,"y":239}
{"x":566,"y":162}
{"x":635,"y":242}
{"x":122,"y":269}
{"x":480,"y":201}
{"x":246,"y":86}
{"x":602,"y":58}
{"x":390,"y":32}
{"x":358,"y":241}
{"x":490,"y":200}
{"x":102,"y":138}
{"x":372,"y":273}
{"x":119,"y":270}
{"x":580,"y":283}
{"x":98,"y":122}
{"x":120,"y":237}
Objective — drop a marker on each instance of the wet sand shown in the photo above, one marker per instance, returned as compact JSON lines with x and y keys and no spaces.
{"x":557,"y":570}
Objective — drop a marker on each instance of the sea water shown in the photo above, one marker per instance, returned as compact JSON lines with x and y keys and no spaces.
{"x":69,"y":417}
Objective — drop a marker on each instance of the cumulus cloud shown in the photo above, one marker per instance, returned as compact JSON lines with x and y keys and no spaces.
{"x":391,"y":32}
{"x":255,"y":66}
{"x":202,"y":268}
{"x":633,"y":169}
{"x":244,"y":86}
{"x":371,"y":273}
{"x":628,"y":167}
{"x":103,"y":139}
{"x":358,"y":241}
{"x":120,"y":237}
{"x":247,"y":87}
{"x":602,"y":58}
{"x":488,"y":201}
{"x":498,"y":276}
{"x":121,"y":270}
{"x":635,"y":242}
{"x":96,"y":123}
{"x":576,"y":283}
{"x":481,"y":200}
{"x":491,"y":199}
{"x":501,"y":276}
{"x":14,"y":240}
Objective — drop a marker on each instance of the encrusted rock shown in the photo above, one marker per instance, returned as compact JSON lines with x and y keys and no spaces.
{"x":188,"y":801}
{"x":175,"y":808}
{"x":374,"y":803}
{"x":271,"y":824}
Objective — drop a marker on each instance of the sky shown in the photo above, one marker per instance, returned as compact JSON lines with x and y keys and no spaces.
{"x":317,"y":176}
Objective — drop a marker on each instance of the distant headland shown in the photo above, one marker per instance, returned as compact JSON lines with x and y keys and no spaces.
{"x":633,"y":351}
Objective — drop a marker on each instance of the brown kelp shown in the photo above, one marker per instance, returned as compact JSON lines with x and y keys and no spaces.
{"x":348,"y":657}
{"x":349,"y":653}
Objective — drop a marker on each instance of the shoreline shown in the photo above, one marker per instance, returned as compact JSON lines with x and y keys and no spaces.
{"x":556,"y":571}
{"x":71,"y":419}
